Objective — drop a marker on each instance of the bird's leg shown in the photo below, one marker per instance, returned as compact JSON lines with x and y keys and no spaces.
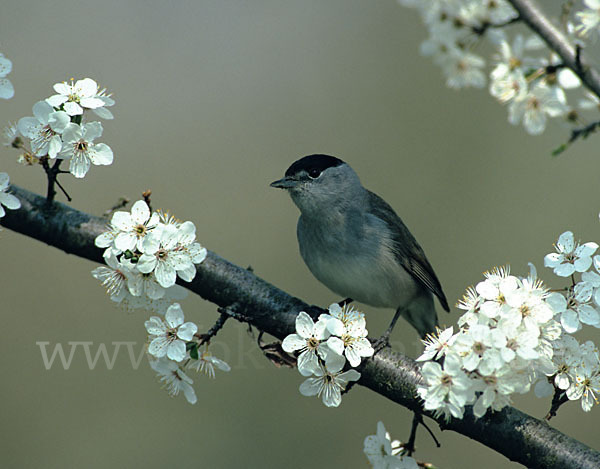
{"x":345,"y":302}
{"x":384,"y":340}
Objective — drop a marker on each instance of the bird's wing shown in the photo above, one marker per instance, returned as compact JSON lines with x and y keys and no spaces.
{"x":408,"y":252}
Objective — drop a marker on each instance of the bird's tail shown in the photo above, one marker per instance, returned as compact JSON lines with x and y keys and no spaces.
{"x":421,"y":315}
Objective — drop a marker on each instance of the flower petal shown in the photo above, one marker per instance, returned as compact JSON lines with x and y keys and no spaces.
{"x":304,"y":325}
{"x":187,"y":330}
{"x":176,"y":350}
{"x":174,"y":315}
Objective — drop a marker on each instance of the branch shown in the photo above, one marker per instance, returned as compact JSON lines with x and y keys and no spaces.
{"x":516,"y":435}
{"x":530,"y":13}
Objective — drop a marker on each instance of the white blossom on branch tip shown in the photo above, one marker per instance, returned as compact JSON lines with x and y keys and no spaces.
{"x":74,"y":97}
{"x":169,"y":338}
{"x":570,"y":256}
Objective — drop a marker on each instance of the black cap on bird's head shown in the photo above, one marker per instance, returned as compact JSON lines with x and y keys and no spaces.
{"x":313,"y":164}
{"x":310,"y":166}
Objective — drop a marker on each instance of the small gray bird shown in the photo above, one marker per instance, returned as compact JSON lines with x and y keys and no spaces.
{"x":355,"y":244}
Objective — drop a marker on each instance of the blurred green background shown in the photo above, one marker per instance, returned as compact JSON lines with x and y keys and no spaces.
{"x":215,"y":99}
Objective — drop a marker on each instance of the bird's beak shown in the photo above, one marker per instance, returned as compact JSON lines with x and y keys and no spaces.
{"x":285,"y":183}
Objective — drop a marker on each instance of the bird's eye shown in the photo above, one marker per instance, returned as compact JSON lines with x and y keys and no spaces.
{"x":314,"y":173}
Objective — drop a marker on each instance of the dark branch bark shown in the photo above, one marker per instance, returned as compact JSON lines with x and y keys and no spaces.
{"x":530,"y":13}
{"x":516,"y":435}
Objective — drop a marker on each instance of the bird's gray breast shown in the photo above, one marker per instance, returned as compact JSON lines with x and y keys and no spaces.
{"x":353,"y":256}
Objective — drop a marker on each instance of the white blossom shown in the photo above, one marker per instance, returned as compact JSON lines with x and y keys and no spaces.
{"x":174,"y":378}
{"x":207,"y":362}
{"x":535,"y":107}
{"x":437,"y":344}
{"x":309,"y":340}
{"x":114,"y":276}
{"x":567,"y":356}
{"x":570,"y":257}
{"x":9,"y":134}
{"x":493,"y":12}
{"x":383,"y":453}
{"x":127,"y":230}
{"x":140,"y":284}
{"x":45,"y":129}
{"x":496,"y":389}
{"x":478,"y":349}
{"x":590,"y":101}
{"x":169,"y":339}
{"x":348,"y":334}
{"x":585,"y":387}
{"x":329,"y":381}
{"x":463,"y":69}
{"x":74,"y":97}
{"x":576,"y":308}
{"x":81,"y":151}
{"x":7,"y":200}
{"x":448,"y":389}
{"x":7,"y":90}
{"x":169,"y":251}
{"x":589,"y":19}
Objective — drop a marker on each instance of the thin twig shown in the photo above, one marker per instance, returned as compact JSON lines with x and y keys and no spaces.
{"x":121,"y":203}
{"x":224,"y":316}
{"x":52,"y":176}
{"x":480,"y":30}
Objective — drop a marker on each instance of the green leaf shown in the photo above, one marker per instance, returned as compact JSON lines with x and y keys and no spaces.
{"x":559,"y":150}
{"x":194,"y":350}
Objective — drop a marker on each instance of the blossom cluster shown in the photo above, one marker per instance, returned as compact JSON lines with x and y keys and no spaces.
{"x":325,"y":346}
{"x":577,"y":365}
{"x":56,"y":130}
{"x":515,"y":335}
{"x":383,"y":453}
{"x":522,"y":77}
{"x":503,"y":344}
{"x":7,"y":90}
{"x":145,"y":252}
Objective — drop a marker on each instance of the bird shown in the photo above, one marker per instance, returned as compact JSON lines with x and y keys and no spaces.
{"x":356,"y":245}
